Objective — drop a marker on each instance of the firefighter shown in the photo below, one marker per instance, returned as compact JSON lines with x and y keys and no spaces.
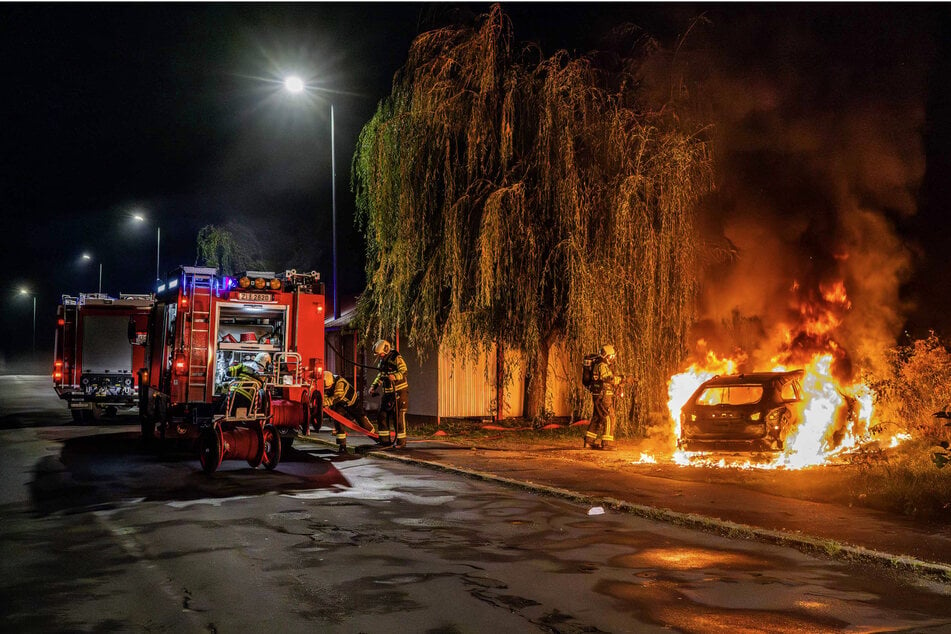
{"x":342,"y":398}
{"x":600,"y":433}
{"x":262,"y":362}
{"x":249,"y":379}
{"x":391,"y":381}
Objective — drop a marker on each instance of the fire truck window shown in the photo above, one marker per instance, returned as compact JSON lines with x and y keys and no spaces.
{"x":731,"y":395}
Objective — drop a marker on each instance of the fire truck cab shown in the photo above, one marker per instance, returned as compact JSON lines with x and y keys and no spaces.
{"x":94,"y":362}
{"x":204,"y":323}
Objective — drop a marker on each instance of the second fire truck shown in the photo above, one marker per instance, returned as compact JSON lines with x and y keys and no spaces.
{"x":202,"y":323}
{"x":95,"y":362}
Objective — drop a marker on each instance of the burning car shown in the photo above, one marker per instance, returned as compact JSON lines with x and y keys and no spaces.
{"x":753,"y":411}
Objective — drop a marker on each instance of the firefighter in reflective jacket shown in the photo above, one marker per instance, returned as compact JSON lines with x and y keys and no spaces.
{"x":600,"y":433}
{"x":391,"y":380}
{"x":342,"y":398}
{"x":248,"y":380}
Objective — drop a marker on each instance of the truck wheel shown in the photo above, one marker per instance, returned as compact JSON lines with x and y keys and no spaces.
{"x":287,"y":442}
{"x":209,"y":450}
{"x":94,"y":414}
{"x":316,"y":410}
{"x":305,"y":405}
{"x":272,"y":448}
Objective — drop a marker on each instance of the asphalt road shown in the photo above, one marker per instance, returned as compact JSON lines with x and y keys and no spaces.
{"x":97,"y":534}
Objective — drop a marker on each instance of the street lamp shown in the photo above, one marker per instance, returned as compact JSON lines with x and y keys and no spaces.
{"x":158,"y":244}
{"x":295,"y":85}
{"x":86,"y":256}
{"x":26,"y":291}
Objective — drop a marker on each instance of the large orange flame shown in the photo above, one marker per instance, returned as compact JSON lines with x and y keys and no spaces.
{"x":837,"y":414}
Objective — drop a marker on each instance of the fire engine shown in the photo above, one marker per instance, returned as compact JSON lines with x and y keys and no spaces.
{"x":94,"y":363}
{"x":201,"y":325}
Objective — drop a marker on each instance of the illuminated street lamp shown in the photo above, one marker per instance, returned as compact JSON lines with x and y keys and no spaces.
{"x":158,"y":243}
{"x":88,"y":257}
{"x":26,"y":291}
{"x":295,"y":85}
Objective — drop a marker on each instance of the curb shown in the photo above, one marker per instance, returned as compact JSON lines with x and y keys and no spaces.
{"x":804,"y":543}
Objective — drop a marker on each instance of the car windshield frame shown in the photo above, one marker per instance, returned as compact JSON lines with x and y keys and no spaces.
{"x":736,"y":395}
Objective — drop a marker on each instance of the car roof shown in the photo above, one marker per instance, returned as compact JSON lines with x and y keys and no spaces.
{"x":753,"y":378}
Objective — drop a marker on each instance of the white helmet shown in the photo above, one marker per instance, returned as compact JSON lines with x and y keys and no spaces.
{"x":382,"y":347}
{"x":607,"y":351}
{"x":263,"y":359}
{"x":328,"y":379}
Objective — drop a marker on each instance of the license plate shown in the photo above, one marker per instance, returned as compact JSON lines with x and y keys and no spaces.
{"x":255,"y":297}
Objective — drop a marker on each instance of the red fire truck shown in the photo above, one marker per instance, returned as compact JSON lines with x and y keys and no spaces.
{"x":94,"y":364}
{"x":203,"y":323}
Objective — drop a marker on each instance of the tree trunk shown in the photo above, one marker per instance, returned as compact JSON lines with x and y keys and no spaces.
{"x":537,"y":387}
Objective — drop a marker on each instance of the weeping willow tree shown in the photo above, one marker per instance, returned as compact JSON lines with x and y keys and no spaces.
{"x":219,"y":247}
{"x":524,"y":200}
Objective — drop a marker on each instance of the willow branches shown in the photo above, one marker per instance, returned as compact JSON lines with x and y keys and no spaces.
{"x":519,"y":199}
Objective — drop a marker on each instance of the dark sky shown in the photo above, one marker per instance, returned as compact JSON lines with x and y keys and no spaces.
{"x":175,"y":110}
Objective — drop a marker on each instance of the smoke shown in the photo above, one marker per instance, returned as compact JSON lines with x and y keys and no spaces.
{"x":818,"y":115}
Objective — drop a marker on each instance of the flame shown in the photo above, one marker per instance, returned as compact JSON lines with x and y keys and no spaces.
{"x":681,"y":386}
{"x":837,"y":414}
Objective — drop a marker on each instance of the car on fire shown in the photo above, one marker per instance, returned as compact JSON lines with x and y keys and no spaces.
{"x":753,"y":412}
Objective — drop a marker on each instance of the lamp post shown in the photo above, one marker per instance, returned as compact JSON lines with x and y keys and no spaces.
{"x":295,"y":85}
{"x":24,"y":291}
{"x":86,"y":256}
{"x":158,"y":244}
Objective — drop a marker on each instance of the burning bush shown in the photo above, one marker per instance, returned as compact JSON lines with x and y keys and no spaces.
{"x":917,"y":386}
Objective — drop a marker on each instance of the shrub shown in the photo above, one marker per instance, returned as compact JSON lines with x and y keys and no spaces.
{"x":919,"y":384}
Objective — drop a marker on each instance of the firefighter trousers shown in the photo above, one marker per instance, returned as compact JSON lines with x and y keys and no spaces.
{"x":392,"y":416}
{"x":601,"y":428}
{"x":353,"y":412}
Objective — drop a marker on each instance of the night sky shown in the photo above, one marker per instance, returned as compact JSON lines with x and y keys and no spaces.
{"x":175,"y":111}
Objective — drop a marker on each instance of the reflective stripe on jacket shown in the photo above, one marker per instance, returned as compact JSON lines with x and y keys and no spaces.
{"x":394,"y":364}
{"x":603,"y":375}
{"x":242,"y":372}
{"x":343,"y":392}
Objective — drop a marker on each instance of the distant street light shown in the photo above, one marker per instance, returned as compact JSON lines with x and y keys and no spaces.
{"x":26,"y":291}
{"x":86,"y":256}
{"x":158,"y":244}
{"x":295,"y":85}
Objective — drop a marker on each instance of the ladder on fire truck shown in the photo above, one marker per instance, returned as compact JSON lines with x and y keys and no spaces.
{"x":198,"y":325}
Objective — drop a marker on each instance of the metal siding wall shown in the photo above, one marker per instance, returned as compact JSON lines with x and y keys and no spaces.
{"x":513,"y":396}
{"x":560,"y":379}
{"x":466,"y":385}
{"x":423,"y":382}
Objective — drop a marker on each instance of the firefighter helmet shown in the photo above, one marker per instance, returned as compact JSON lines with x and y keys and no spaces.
{"x":382,"y":347}
{"x":608,"y":352}
{"x":263,"y":359}
{"x":328,"y":380}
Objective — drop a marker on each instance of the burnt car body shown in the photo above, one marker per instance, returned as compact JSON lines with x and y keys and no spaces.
{"x":752,"y":412}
